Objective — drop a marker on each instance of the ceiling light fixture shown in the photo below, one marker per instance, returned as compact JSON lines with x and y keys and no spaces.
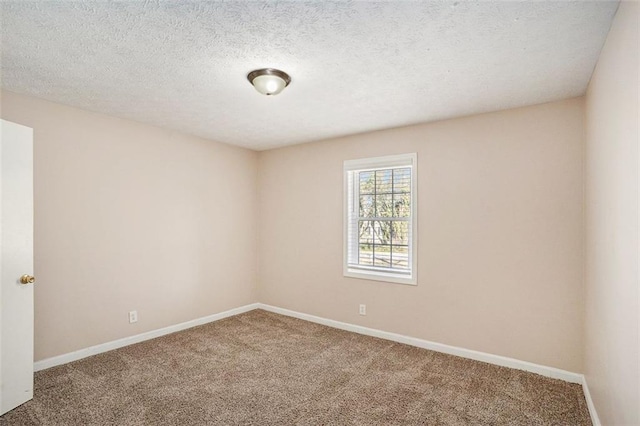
{"x":269,"y":81}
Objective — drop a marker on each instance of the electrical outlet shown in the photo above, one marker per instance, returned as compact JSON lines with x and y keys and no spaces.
{"x":133,"y":317}
{"x":363,"y":309}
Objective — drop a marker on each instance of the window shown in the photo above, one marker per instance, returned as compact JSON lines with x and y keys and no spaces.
{"x":380,"y":218}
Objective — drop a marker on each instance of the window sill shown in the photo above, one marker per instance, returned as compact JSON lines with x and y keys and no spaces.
{"x":380,"y":276}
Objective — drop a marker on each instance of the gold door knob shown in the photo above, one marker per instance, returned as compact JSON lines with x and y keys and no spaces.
{"x":27,"y":279}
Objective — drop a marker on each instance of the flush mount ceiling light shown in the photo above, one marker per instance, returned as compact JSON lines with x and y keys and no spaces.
{"x":269,"y":81}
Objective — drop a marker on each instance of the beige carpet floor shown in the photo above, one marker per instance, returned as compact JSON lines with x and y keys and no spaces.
{"x":260,"y":368}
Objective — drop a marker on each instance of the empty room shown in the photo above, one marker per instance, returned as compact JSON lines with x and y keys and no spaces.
{"x":319,"y":212}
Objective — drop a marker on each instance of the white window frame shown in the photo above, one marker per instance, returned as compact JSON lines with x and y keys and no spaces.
{"x":351,"y":203}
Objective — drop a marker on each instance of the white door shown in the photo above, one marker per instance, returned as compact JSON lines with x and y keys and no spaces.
{"x":16,"y":265}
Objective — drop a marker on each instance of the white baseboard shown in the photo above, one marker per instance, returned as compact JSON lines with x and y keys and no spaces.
{"x":592,"y":408}
{"x":413,"y":341}
{"x":552,"y":372}
{"x":104,"y":347}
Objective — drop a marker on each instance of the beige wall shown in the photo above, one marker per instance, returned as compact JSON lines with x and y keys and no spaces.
{"x":128,"y":216}
{"x":611,"y":172}
{"x":500,"y":265}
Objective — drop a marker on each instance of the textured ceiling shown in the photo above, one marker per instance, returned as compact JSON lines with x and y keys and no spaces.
{"x":355,"y":66}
